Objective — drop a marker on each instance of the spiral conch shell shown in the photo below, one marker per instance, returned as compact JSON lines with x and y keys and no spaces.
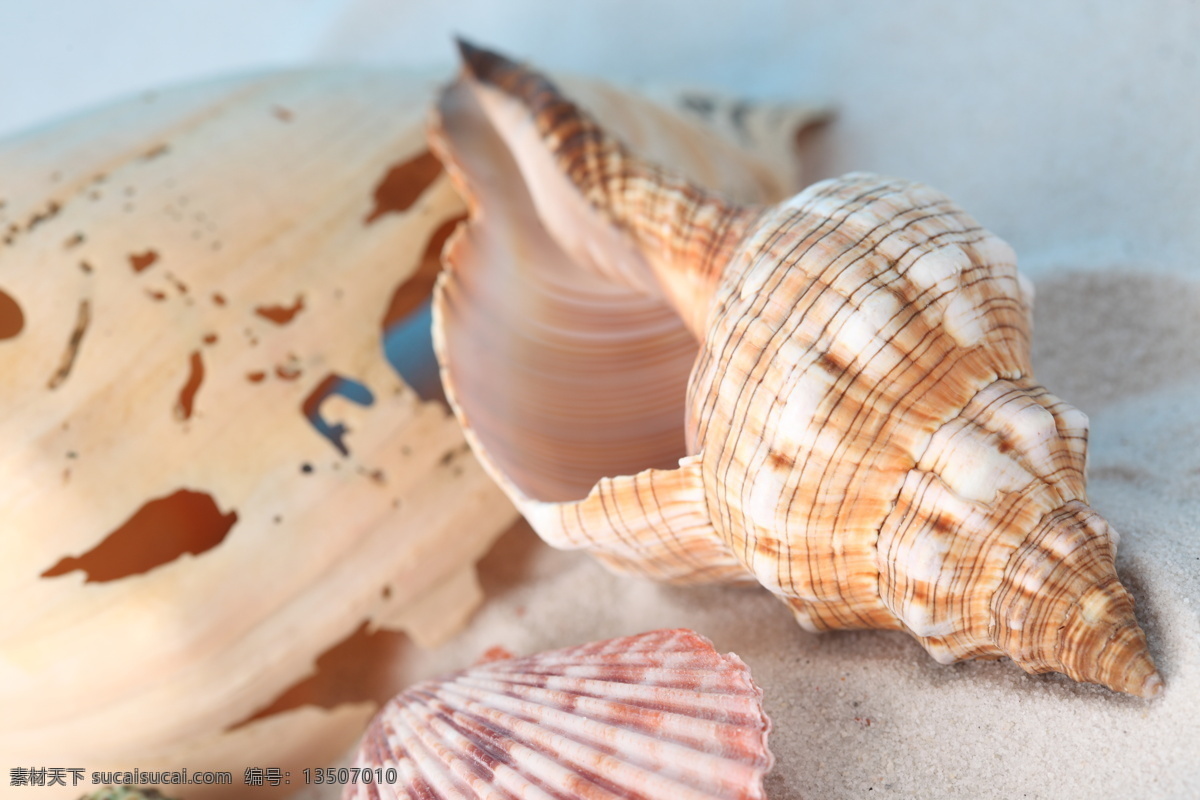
{"x":657,"y":715}
{"x":862,"y":432}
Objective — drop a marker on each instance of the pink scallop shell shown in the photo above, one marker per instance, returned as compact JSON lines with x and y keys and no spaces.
{"x":654,"y":716}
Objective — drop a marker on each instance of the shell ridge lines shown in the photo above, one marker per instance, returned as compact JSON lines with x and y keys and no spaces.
{"x":820,"y":192}
{"x":654,"y":720}
{"x":573,"y":739}
{"x":735,"y":343}
{"x":703,"y":377}
{"x":720,"y":702}
{"x":821,"y":284}
{"x":676,"y":545}
{"x":461,"y":749}
{"x":627,"y":537}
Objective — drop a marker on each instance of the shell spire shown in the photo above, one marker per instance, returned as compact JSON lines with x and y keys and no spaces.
{"x":1062,"y":609}
{"x":684,"y":232}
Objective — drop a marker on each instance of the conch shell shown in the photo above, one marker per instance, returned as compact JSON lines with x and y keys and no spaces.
{"x":861,"y":429}
{"x":657,"y":715}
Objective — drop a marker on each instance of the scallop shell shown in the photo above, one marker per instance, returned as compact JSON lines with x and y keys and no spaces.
{"x":832,"y":396}
{"x":657,"y":715}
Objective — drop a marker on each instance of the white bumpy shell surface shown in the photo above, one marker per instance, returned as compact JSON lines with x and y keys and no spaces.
{"x":648,"y":717}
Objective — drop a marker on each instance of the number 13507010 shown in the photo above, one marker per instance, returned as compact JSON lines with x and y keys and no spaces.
{"x":344,"y":775}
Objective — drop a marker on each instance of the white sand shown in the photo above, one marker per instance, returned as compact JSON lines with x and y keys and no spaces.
{"x":1069,"y":128}
{"x":870,"y":714}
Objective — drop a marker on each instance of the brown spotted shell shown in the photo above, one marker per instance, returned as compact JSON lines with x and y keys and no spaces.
{"x":213,"y":477}
{"x":832,"y":396}
{"x":647,"y":717}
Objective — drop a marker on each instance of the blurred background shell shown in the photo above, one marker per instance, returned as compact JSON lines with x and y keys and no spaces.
{"x":228,"y":477}
{"x":212,"y":475}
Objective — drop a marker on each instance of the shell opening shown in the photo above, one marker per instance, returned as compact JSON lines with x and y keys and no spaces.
{"x":561,"y":376}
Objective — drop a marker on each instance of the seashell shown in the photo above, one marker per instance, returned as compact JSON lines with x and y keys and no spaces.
{"x":657,"y":715}
{"x":217,"y":489}
{"x":831,"y":396}
{"x":213,"y":476}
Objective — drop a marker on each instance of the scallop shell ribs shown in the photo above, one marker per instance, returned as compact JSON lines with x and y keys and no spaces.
{"x":832,"y":395}
{"x":659,"y":715}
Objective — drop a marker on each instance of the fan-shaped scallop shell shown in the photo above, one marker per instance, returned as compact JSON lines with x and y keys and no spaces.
{"x":832,"y":395}
{"x":652,"y":716}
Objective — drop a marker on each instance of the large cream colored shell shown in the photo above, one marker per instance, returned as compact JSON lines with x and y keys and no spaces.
{"x":147,"y":245}
{"x":862,"y":433}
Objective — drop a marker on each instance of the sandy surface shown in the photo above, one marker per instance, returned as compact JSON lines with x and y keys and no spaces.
{"x":870,"y":714}
{"x":1068,"y":128}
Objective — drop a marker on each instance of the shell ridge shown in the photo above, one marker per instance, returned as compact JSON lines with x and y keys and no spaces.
{"x":736,"y":705}
{"x":579,"y":741}
{"x":635,"y":656}
{"x":876,"y":286}
{"x":705,"y":363}
{"x":1009,"y":393}
{"x":734,"y":344}
{"x":636,"y":674}
{"x":1040,"y":589}
{"x":639,"y":671}
{"x":692,"y":731}
{"x":822,"y":283}
{"x":943,"y":367}
{"x":428,"y":753}
{"x":646,"y":657}
{"x":684,"y":552}
{"x":526,"y":770}
{"x":652,"y":523}
{"x":505,"y":763}
{"x":494,"y":735}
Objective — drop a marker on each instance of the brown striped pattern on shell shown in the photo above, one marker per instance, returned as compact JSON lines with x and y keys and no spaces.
{"x":862,"y":419}
{"x":877,"y":452}
{"x":827,"y":368}
{"x":647,"y":717}
{"x":676,"y":221}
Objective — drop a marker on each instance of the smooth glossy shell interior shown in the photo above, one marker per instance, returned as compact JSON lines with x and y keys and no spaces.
{"x":567,"y":373}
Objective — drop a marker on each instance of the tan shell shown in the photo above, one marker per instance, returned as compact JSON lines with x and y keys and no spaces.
{"x":858,"y":429}
{"x":658,"y":715}
{"x":195,"y":271}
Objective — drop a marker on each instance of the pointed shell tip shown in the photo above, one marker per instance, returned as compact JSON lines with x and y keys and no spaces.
{"x":1152,"y":687}
{"x":480,"y":63}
